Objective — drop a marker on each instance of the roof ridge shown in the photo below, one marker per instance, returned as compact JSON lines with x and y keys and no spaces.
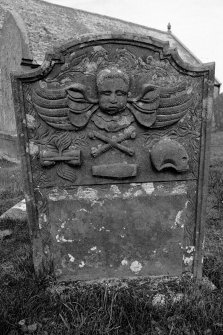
{"x":191,"y":53}
{"x":105,"y":16}
{"x":186,"y":48}
{"x":82,"y":16}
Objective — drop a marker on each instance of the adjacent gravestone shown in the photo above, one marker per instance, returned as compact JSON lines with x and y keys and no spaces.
{"x":114,"y":135}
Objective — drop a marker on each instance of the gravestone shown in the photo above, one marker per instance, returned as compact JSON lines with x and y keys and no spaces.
{"x":114,"y":137}
{"x":14,"y":56}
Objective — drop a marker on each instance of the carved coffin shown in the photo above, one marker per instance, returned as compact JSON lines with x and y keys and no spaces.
{"x":114,"y":135}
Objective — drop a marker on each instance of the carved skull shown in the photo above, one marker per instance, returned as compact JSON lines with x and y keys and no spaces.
{"x":169,"y":153}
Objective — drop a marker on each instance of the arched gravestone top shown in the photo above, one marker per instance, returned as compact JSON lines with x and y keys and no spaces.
{"x":14,"y":19}
{"x":114,"y":135}
{"x":13,"y":37}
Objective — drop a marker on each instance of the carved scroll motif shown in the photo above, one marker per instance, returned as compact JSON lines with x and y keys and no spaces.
{"x":50,"y":155}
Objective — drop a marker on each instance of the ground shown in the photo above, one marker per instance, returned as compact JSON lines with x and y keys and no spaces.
{"x":167,"y":306}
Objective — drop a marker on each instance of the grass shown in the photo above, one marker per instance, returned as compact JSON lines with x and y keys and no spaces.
{"x":213,"y":262}
{"x":127,"y":308}
{"x":132,"y":307}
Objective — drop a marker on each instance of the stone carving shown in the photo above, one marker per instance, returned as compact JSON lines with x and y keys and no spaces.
{"x":49,"y":155}
{"x":117,"y":171}
{"x":168,"y":153}
{"x":112,"y":110}
{"x":113,"y":142}
{"x":158,"y":71}
{"x":114,"y":138}
{"x":58,"y":149}
{"x":72,"y":108}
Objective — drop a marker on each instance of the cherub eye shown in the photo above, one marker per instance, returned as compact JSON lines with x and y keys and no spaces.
{"x":105,"y":93}
{"x":121,"y":93}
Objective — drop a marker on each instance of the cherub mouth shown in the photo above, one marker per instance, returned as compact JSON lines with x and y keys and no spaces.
{"x":112,"y":110}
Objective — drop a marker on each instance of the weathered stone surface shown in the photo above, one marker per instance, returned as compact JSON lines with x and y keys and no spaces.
{"x":119,"y":230}
{"x":9,"y":149}
{"x":114,"y":135}
{"x":169,"y":153}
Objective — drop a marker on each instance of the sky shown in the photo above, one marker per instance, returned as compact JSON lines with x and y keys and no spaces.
{"x":197,"y":23}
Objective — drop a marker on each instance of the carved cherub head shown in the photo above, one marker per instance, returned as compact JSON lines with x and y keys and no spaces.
{"x":113,"y":87}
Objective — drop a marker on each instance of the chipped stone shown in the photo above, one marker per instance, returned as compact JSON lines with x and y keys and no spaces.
{"x":180,"y":189}
{"x":63,"y":239}
{"x":33,"y":148}
{"x":188,"y":260}
{"x":30,"y":121}
{"x":136,"y":267}
{"x":72,"y":258}
{"x":82,"y":264}
{"x":124,"y":262}
{"x":93,"y":248}
{"x":115,"y":189}
{"x":148,"y":188}
{"x":190,"y":248}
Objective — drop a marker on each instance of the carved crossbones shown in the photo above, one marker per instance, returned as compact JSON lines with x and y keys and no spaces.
{"x":112,"y":143}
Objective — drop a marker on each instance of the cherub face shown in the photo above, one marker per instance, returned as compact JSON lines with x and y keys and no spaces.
{"x":112,"y":95}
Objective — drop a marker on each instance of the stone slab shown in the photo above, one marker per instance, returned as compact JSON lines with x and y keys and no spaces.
{"x":114,"y":135}
{"x":9,"y":148}
{"x":118,"y":230}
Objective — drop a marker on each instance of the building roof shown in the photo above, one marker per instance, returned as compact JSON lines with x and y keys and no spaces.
{"x":51,"y":25}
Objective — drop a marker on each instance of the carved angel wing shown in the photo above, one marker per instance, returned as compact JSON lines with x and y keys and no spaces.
{"x":175,"y":102}
{"x":65,"y":109}
{"x":159,"y":107}
{"x":145,"y":106}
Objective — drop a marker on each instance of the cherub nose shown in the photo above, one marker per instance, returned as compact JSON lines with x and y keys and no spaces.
{"x":113,"y":98}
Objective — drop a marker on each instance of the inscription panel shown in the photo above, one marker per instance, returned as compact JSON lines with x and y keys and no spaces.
{"x":121,"y":230}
